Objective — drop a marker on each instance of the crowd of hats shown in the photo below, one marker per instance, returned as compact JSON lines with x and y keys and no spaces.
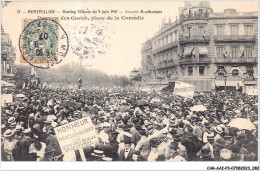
{"x":168,"y":114}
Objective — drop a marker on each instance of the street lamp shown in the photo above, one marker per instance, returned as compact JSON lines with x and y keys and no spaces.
{"x":225,"y":78}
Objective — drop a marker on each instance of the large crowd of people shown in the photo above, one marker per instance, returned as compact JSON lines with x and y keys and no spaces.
{"x":131,"y":126}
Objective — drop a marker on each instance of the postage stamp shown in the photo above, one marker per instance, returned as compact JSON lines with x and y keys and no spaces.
{"x":43,"y":43}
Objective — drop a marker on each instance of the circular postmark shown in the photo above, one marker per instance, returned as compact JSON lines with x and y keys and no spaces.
{"x":43,"y":43}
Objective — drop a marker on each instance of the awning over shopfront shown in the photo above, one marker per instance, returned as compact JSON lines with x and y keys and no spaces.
{"x":159,"y":87}
{"x":147,"y":88}
{"x":229,"y":83}
{"x":203,"y":50}
{"x":187,"y":51}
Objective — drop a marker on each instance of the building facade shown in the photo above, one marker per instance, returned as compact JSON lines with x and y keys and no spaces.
{"x":213,"y":51}
{"x":7,"y":58}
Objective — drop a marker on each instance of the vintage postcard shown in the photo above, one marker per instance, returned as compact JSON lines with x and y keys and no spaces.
{"x":173,"y":81}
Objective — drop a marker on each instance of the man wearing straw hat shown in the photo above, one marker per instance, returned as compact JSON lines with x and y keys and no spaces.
{"x":9,"y":144}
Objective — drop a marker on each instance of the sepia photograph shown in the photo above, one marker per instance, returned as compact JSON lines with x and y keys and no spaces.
{"x":171,"y":81}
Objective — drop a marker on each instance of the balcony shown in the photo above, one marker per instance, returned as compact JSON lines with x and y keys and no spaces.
{"x":236,"y":60}
{"x":195,"y":16}
{"x":145,"y":72}
{"x":146,"y":48}
{"x":165,"y":47}
{"x":233,"y":15}
{"x":194,"y":39}
{"x":235,"y":38}
{"x":166,"y":64}
{"x":194,"y":60}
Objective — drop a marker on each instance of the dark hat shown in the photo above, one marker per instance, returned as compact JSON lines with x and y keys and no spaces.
{"x":174,"y":145}
{"x":127,"y":140}
{"x":177,"y":137}
{"x":199,"y":120}
{"x":241,"y":136}
{"x":221,"y":142}
{"x":115,"y":132}
{"x":205,"y":152}
{"x":127,"y":128}
{"x":172,"y":123}
{"x":138,"y":126}
{"x":142,"y":132}
{"x":189,"y":135}
{"x":150,"y":127}
{"x":193,"y":120}
{"x":227,"y":137}
{"x":207,"y":124}
{"x":154,"y":142}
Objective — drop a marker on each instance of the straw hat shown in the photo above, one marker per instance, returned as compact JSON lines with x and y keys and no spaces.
{"x":11,"y":120}
{"x":13,"y":125}
{"x":218,"y":129}
{"x":8,"y":133}
{"x":26,"y":131}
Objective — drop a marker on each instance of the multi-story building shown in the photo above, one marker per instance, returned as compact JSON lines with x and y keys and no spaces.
{"x":7,"y":58}
{"x":212,"y":51}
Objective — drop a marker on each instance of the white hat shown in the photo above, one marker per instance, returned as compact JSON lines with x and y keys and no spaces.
{"x":64,"y":122}
{"x":218,"y":129}
{"x":186,"y":122}
{"x":237,"y":111}
{"x":106,"y":124}
{"x":18,"y":127}
{"x":107,"y":115}
{"x":8,"y":133}
{"x":31,"y":115}
{"x":54,"y":124}
{"x":153,"y":115}
{"x":11,"y":120}
{"x":28,"y":130}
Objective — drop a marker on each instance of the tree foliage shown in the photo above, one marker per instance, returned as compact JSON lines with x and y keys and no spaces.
{"x":70,"y":74}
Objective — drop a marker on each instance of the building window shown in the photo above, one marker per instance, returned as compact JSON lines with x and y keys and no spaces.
{"x":202,"y":70}
{"x":190,"y":32}
{"x":248,"y":30}
{"x":162,"y":41}
{"x":201,"y":31}
{"x":221,"y":70}
{"x":249,"y":51}
{"x":235,"y":72}
{"x":235,"y":50}
{"x":170,"y":35}
{"x":190,"y":70}
{"x":220,"y":51}
{"x":175,"y":35}
{"x":220,"y":30}
{"x":200,"y":12}
{"x":234,"y":29}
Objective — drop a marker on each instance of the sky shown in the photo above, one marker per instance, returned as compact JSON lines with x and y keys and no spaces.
{"x":120,"y":50}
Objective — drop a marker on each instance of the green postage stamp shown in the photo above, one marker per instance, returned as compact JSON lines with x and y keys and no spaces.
{"x":43,"y":43}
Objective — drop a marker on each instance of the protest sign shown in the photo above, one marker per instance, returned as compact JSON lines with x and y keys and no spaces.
{"x":76,"y":135}
{"x":184,"y":89}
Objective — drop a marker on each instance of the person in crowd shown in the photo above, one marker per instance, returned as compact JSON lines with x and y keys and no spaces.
{"x":164,"y":128}
{"x":127,"y":153}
